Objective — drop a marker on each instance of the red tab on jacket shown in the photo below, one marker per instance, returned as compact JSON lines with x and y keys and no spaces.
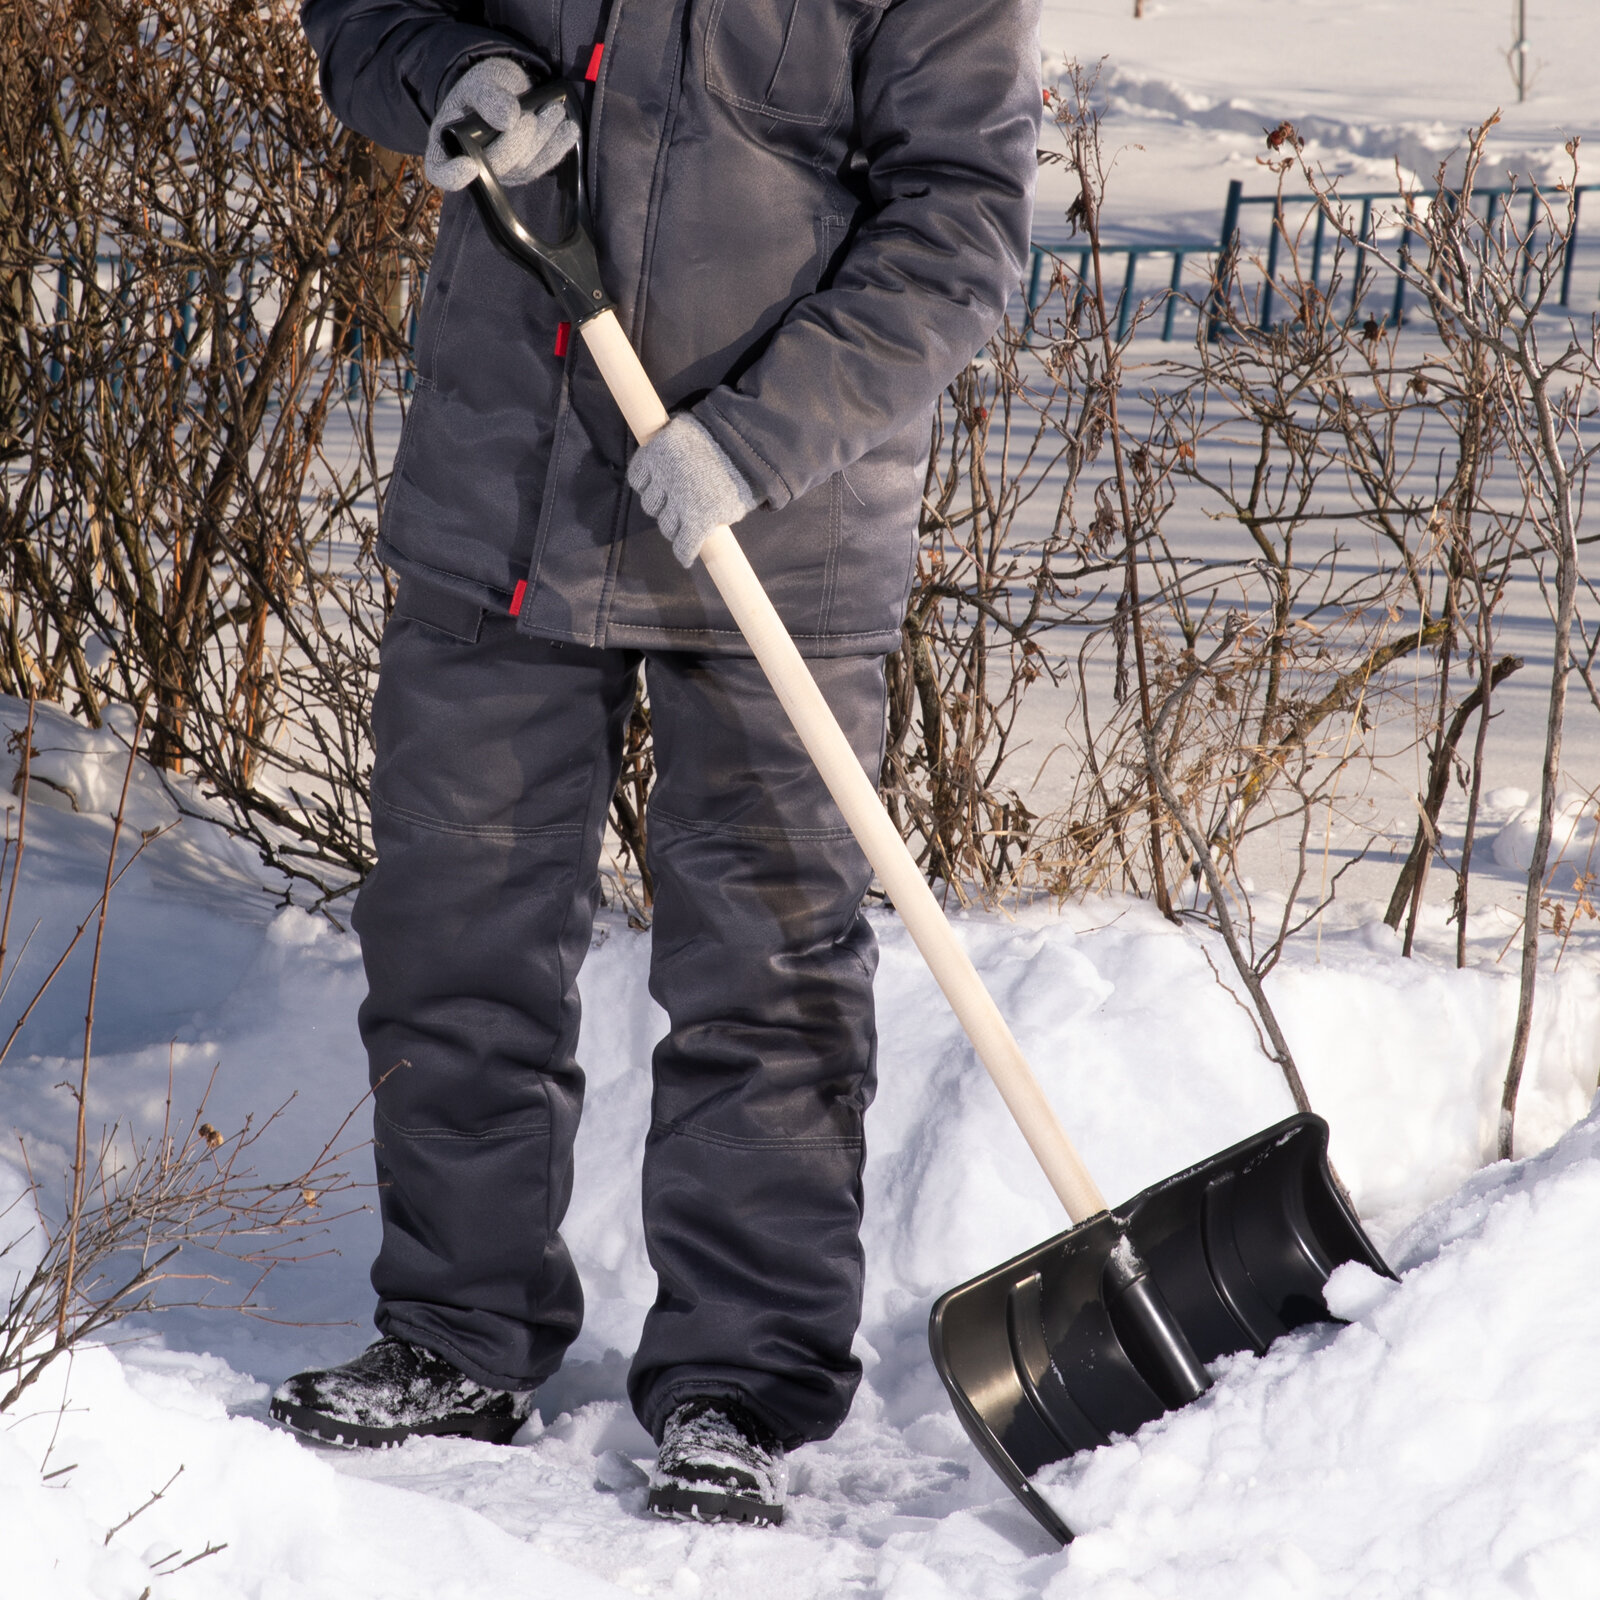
{"x":592,"y":72}
{"x":563,"y":334}
{"x":516,"y":597}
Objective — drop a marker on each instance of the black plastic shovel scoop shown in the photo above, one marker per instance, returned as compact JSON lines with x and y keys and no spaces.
{"x":1102,"y":1329}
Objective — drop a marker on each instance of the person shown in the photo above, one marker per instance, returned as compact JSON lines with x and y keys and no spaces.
{"x":811,"y":214}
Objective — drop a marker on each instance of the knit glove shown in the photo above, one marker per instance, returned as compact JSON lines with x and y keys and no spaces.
{"x":528,"y":146}
{"x":686,"y":482}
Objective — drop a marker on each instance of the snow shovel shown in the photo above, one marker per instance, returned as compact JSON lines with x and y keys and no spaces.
{"x":1106,"y":1326}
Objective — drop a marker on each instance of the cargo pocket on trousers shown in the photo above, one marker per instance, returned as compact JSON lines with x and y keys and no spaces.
{"x":463,"y":1194}
{"x":438,"y":608}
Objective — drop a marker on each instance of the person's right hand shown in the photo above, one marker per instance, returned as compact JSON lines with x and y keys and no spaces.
{"x":685,"y":480}
{"x":528,"y":146}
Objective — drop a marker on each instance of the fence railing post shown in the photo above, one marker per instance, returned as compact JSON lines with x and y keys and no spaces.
{"x":1570,"y":251}
{"x":184,"y":328}
{"x":1527,"y":242}
{"x":247,"y":276}
{"x":1272,"y":267}
{"x":124,"y":301}
{"x":1172,"y":295}
{"x":1125,"y":304}
{"x":353,"y":348}
{"x":1398,"y":310}
{"x":1362,"y":234}
{"x":63,"y":309}
{"x":1227,"y":248}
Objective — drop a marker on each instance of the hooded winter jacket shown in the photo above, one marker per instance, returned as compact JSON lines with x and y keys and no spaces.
{"x":810,"y":214}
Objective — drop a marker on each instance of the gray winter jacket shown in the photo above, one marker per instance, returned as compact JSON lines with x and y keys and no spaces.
{"x":810,"y":214}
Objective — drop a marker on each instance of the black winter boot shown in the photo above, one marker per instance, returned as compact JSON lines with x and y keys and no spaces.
{"x":718,"y":1464}
{"x":393,"y":1390}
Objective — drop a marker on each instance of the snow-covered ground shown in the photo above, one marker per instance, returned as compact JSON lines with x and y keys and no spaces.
{"x":1443,"y":1444}
{"x":1467,"y":1474}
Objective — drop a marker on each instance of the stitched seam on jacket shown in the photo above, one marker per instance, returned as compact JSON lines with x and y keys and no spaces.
{"x":830,"y":574}
{"x":740,"y":830}
{"x":689,"y":1130}
{"x":408,"y":437}
{"x":541,"y":534}
{"x":449,"y":287}
{"x":440,"y":629}
{"x":474,"y":830}
{"x":750,"y":444}
{"x":608,"y":583}
{"x":658,"y":171}
{"x":448,"y":630}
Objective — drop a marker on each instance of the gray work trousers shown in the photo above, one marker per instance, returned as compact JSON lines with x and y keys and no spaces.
{"x":496,"y":759}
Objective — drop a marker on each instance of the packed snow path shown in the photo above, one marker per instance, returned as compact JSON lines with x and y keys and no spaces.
{"x":1442,"y":1445}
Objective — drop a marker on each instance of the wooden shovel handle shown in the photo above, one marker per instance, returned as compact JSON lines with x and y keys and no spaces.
{"x":857,"y":799}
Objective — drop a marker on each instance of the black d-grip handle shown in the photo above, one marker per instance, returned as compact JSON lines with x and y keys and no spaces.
{"x":568,"y":266}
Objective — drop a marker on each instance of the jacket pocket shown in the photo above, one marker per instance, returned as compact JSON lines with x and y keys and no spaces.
{"x":786,"y":59}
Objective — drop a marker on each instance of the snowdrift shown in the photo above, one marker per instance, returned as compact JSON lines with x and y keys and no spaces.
{"x":1442,"y":1443}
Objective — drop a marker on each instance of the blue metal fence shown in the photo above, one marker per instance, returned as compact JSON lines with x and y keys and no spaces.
{"x":1496,"y":201}
{"x":1128,"y":297}
{"x":1044,"y":256}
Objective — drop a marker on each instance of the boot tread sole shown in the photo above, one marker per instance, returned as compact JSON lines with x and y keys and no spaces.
{"x":360,"y":1435}
{"x":712,"y":1505}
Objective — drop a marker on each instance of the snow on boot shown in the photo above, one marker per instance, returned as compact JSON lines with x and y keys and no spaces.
{"x":393,"y":1390}
{"x":718,"y":1464}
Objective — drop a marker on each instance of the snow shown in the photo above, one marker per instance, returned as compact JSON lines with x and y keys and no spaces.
{"x":1438,"y":1440}
{"x":1194,"y":83}
{"x":1573,"y":833}
{"x":283,"y":1522}
{"x":1442,"y":1444}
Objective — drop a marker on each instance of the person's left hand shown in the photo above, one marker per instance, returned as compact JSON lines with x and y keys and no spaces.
{"x":685,"y":480}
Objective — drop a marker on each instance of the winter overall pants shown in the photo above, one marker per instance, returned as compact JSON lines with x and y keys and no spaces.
{"x":496,"y":759}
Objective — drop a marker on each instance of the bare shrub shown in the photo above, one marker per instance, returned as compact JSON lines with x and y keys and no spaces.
{"x":133,"y":1203}
{"x":1012,"y":430}
{"x":139,"y":1203}
{"x":1290,"y":441}
{"x":1017,"y":548}
{"x":1486,"y":280}
{"x":205,"y":286}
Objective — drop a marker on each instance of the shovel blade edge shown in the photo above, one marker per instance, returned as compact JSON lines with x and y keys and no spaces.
{"x":1239,"y":1248}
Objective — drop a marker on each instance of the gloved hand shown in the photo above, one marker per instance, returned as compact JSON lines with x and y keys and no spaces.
{"x":528,"y":147}
{"x":685,"y":480}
